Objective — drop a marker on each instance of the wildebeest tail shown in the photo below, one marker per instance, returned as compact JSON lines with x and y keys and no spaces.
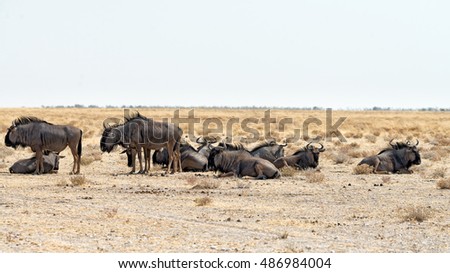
{"x":79,"y":144}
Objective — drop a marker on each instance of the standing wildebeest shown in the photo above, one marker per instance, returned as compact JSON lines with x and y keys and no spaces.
{"x":397,"y":159}
{"x":307,"y":157}
{"x":25,"y":166}
{"x":241,"y":163}
{"x":42,"y":136}
{"x":139,"y":132}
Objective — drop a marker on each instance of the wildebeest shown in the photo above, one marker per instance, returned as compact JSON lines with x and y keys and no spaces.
{"x":42,"y":136}
{"x":307,"y":157}
{"x":241,"y":163}
{"x":28,"y":165}
{"x":191,"y":159}
{"x":139,"y":132}
{"x":268,"y":150}
{"x":205,"y":145}
{"x":397,"y":159}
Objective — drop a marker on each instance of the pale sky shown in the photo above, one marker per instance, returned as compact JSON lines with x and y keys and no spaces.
{"x":328,"y":53}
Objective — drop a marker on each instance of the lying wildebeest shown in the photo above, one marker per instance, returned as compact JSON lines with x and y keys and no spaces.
{"x":397,"y":159}
{"x":268,"y":149}
{"x":205,"y":145}
{"x":191,"y":159}
{"x":306,"y":157}
{"x":42,"y":136}
{"x":241,"y":163}
{"x":26,"y":166}
{"x":139,"y":132}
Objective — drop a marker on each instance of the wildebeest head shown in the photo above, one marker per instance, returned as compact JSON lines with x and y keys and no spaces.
{"x":412,"y":153}
{"x":205,"y":145}
{"x":110,"y":138}
{"x":12,"y":138}
{"x":212,"y":155}
{"x":315,"y":150}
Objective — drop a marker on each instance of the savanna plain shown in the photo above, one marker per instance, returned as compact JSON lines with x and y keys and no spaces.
{"x":336,"y":208}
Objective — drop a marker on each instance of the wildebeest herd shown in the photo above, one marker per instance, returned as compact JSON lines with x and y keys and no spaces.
{"x":140,"y":135}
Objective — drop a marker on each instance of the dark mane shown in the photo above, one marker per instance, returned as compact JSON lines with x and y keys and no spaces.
{"x":263,"y":144}
{"x":401,"y":145}
{"x":301,"y":150}
{"x":26,"y":120}
{"x":396,"y":146}
{"x":135,"y":115}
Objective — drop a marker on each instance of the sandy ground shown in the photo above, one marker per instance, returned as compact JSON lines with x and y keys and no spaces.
{"x":111,"y":211}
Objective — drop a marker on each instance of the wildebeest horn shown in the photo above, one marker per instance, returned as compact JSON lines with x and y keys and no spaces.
{"x":321,"y":149}
{"x":390,"y":143}
{"x":417,"y":142}
{"x":308,"y":145}
{"x":124,"y":151}
{"x":200,"y":140}
{"x":106,"y":124}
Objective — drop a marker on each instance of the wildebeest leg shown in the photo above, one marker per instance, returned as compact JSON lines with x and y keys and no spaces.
{"x":147,"y":153}
{"x":259,"y":172}
{"x":133,"y":161}
{"x":377,"y":164}
{"x":39,"y":162}
{"x":404,"y":171}
{"x":76,"y":160}
{"x":226,"y":174}
{"x":170,"y":146}
{"x":139,"y":154}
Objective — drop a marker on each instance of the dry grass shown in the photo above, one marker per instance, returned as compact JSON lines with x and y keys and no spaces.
{"x":111,"y":212}
{"x":416,"y":214}
{"x":288,"y":171}
{"x":439,"y":173}
{"x":443,"y":184}
{"x":284,"y":235}
{"x":341,"y":158}
{"x":363,"y":169}
{"x":202,"y":201}
{"x":313,"y":176}
{"x":206,"y":184}
{"x":79,"y":180}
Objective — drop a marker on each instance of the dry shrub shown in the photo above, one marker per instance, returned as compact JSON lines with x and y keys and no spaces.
{"x":443,"y":184}
{"x":439,"y":172}
{"x":371,"y":138}
{"x":340,"y":158}
{"x":418,"y":214}
{"x":202,"y":201}
{"x":313,"y":176}
{"x":363,"y":169}
{"x":206,"y":185}
{"x":288,"y":171}
{"x":79,"y":180}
